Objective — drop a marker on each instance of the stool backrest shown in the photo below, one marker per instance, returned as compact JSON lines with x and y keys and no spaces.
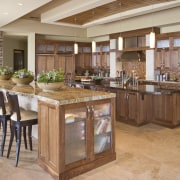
{"x":2,"y":104}
{"x":14,"y":104}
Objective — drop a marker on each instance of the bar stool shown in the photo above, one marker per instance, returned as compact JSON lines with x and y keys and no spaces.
{"x":20,"y":119}
{"x":4,"y":117}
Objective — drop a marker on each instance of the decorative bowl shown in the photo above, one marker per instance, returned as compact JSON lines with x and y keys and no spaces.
{"x":22,"y":81}
{"x":5,"y":76}
{"x":50,"y":86}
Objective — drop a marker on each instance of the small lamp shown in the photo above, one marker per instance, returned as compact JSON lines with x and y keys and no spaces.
{"x":120,"y":43}
{"x":152,"y":40}
{"x":75,"y":48}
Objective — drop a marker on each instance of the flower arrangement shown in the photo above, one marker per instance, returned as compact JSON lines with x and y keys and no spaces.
{"x":5,"y":72}
{"x":51,"y":76}
{"x":23,"y":73}
{"x":51,"y":80}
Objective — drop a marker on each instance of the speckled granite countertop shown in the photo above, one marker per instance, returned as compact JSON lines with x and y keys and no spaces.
{"x":66,"y":95}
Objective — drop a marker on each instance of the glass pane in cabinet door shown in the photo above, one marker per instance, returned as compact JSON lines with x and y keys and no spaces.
{"x":75,"y":135}
{"x":102,"y":127}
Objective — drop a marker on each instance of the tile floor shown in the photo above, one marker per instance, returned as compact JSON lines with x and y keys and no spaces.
{"x":149,"y":152}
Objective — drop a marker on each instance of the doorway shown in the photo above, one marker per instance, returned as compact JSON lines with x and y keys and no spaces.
{"x":18,"y":59}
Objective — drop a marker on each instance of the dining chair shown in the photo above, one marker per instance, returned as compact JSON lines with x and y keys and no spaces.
{"x":4,"y":117}
{"x":20,"y":118}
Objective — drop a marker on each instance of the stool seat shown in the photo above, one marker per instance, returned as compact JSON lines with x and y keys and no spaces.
{"x":25,"y":115}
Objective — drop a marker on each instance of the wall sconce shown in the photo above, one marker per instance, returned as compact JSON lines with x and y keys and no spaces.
{"x":120,"y":43}
{"x":93,"y":46}
{"x":152,"y":40}
{"x":75,"y":48}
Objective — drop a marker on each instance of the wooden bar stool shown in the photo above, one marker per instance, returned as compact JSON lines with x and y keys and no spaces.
{"x":4,"y":117}
{"x":20,"y":119}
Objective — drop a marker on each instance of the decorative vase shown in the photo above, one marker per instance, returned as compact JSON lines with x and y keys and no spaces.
{"x":51,"y":86}
{"x":22,"y":81}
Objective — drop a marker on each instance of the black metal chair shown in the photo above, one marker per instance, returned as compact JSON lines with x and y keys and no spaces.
{"x":20,"y":119}
{"x":4,"y":117}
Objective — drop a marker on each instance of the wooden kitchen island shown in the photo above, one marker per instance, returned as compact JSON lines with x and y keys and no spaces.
{"x":75,"y":128}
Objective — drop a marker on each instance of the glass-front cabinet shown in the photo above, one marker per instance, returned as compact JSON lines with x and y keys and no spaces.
{"x":82,"y":122}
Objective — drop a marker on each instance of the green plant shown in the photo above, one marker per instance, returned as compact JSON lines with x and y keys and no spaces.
{"x":5,"y":70}
{"x":23,"y":73}
{"x":51,"y":76}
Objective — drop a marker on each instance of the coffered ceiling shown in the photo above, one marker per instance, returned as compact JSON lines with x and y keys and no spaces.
{"x":80,"y":13}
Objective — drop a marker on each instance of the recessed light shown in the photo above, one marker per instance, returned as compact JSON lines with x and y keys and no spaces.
{"x":5,"y":13}
{"x":20,"y":4}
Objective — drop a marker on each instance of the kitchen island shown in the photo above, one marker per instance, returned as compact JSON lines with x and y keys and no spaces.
{"x":75,"y":127}
{"x":146,"y":103}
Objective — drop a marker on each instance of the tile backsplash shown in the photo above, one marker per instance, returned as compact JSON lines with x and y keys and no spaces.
{"x":138,"y":67}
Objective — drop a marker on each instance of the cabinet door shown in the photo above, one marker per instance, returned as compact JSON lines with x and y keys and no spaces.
{"x":162,"y":58}
{"x":75,"y":133}
{"x":163,"y":109}
{"x":60,"y":62}
{"x":102,"y":127}
{"x":105,"y":60}
{"x":70,"y":64}
{"x":44,"y":63}
{"x":175,"y":58}
{"x":87,"y":60}
{"x":48,"y":135}
{"x":132,"y":107}
{"x":121,"y":109}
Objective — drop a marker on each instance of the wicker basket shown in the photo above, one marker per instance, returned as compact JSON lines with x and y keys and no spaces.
{"x":22,"y":81}
{"x":5,"y":76}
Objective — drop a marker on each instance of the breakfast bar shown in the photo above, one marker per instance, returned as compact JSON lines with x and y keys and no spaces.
{"x":75,"y":127}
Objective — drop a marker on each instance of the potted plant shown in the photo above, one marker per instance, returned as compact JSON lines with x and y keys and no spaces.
{"x":51,"y":80}
{"x":22,"y":77}
{"x":5,"y":72}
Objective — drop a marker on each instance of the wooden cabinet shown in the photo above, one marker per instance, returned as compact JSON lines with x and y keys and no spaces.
{"x":166,"y":109}
{"x":133,"y":107}
{"x":162,"y":59}
{"x":75,"y":138}
{"x":65,"y":47}
{"x":101,"y":58}
{"x":45,"y":47}
{"x":83,"y":60}
{"x":167,"y":54}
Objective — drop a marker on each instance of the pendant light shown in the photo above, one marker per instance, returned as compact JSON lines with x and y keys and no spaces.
{"x":120,"y":43}
{"x":75,"y":48}
{"x":152,"y":33}
{"x":93,"y":46}
{"x":75,"y":43}
{"x":152,"y":40}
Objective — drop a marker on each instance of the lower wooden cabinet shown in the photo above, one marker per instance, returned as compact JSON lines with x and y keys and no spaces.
{"x":76,"y":138}
{"x":166,"y":109}
{"x":133,"y":107}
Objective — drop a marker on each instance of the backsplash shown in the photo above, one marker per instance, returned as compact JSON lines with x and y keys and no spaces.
{"x":138,"y":67}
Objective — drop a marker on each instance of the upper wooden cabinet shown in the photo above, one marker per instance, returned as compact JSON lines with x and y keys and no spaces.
{"x":167,"y":53}
{"x":135,"y":40}
{"x":101,"y":57}
{"x":45,"y":47}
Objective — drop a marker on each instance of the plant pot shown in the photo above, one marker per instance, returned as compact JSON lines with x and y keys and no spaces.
{"x":22,"y":81}
{"x":51,"y":86}
{"x":5,"y":76}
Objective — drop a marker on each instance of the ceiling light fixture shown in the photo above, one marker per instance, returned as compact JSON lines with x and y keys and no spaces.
{"x":20,"y":4}
{"x":75,"y":43}
{"x":93,"y":46}
{"x":152,"y":34}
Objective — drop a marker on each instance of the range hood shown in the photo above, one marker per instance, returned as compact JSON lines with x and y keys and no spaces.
{"x":133,"y":56}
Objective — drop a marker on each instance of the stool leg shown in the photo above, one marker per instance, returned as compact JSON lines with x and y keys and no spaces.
{"x":24,"y":135}
{"x":18,"y":144}
{"x":30,"y":136}
{"x":11,"y":140}
{"x":4,"y":127}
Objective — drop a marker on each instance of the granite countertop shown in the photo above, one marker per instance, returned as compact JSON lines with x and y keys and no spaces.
{"x":143,"y":88}
{"x":66,"y":95}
